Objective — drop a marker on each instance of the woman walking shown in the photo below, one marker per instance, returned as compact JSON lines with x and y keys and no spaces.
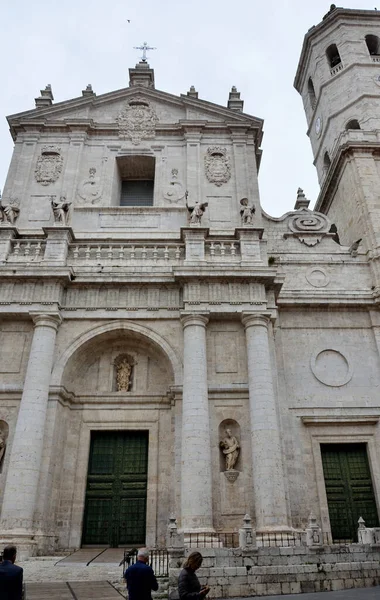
{"x":189,"y":587}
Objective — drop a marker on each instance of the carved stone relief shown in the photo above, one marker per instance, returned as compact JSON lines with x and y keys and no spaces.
{"x":175,"y":190}
{"x":49,"y":165}
{"x":317,"y":278}
{"x":217,"y":165}
{"x":308,"y":226}
{"x":90,"y":190}
{"x":137,"y":120}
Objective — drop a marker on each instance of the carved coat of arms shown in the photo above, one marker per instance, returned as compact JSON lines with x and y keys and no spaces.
{"x":217,"y":165}
{"x":137,"y":121}
{"x":49,"y":165}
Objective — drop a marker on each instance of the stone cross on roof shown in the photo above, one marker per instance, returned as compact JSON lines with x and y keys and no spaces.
{"x":144,"y":48}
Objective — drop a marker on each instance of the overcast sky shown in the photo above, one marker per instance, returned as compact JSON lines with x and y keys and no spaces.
{"x":211,"y":44}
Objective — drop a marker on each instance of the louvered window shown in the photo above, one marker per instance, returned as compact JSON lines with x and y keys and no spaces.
{"x":137,"y":193}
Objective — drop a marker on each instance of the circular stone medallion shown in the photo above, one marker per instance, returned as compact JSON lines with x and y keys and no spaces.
{"x":331,"y":367}
{"x":317,"y":278}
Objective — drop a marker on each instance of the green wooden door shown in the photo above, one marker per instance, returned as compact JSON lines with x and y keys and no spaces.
{"x":115,"y":511}
{"x":349,"y":489}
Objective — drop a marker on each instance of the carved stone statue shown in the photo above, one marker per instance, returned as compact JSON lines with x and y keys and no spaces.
{"x":3,"y":447}
{"x":246,"y":212}
{"x":60,"y":210}
{"x":9,"y":212}
{"x":123,"y":374}
{"x":175,"y":190}
{"x":196,"y":212}
{"x":230,"y":447}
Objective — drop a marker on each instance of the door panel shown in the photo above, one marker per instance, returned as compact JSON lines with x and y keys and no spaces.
{"x":116,"y":491}
{"x":349,"y":489}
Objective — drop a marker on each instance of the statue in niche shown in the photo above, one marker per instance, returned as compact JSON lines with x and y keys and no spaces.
{"x":196,"y":212}
{"x":3,"y":446}
{"x":246,"y":212}
{"x":90,"y":189}
{"x":123,"y":366}
{"x":230,"y":448}
{"x":9,"y":212}
{"x":175,"y":190}
{"x":60,"y":210}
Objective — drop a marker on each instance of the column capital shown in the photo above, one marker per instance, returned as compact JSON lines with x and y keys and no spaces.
{"x":200,"y":320}
{"x":255,"y":320}
{"x":52,"y":320}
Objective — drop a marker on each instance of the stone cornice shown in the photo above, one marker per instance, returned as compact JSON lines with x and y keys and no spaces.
{"x":344,"y":153}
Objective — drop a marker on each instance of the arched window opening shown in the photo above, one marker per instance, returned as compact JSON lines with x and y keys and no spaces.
{"x":373,"y":44}
{"x":353,"y":124}
{"x":333,"y":56}
{"x":311,"y":91}
{"x":326,"y":161}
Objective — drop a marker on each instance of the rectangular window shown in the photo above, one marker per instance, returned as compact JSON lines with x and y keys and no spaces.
{"x":136,"y":180}
{"x":137,"y":193}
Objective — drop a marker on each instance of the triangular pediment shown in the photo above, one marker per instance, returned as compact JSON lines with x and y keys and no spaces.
{"x":106,"y":108}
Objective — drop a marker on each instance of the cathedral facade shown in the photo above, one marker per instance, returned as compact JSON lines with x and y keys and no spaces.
{"x":167,"y":347}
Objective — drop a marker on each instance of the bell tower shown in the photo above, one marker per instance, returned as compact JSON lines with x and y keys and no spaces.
{"x":338,"y":77}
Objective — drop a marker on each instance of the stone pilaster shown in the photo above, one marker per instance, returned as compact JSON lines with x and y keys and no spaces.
{"x":196,"y":485}
{"x":21,"y":486}
{"x":268,"y":476}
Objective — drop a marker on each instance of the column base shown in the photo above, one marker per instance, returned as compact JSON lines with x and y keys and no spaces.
{"x":25,"y":544}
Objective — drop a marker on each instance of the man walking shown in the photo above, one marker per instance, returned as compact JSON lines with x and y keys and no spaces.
{"x":10,"y":576}
{"x":140,"y":578}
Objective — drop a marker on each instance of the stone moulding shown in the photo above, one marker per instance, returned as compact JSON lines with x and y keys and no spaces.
{"x":231,"y":475}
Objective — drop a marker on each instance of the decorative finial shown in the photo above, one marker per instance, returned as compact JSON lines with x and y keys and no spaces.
{"x":144,"y":48}
{"x":234,"y":102}
{"x":302,"y":202}
{"x":192,"y":92}
{"x":88,"y":91}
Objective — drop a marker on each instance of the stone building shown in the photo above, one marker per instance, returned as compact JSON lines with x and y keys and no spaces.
{"x":154,"y":316}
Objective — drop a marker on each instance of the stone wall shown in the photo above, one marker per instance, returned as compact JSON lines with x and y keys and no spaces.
{"x":291,"y":570}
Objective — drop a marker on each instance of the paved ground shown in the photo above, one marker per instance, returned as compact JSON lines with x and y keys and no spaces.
{"x":357,"y":594}
{"x":85,"y":590}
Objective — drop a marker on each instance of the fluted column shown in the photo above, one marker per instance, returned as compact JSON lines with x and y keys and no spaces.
{"x":268,"y":475}
{"x":196,"y":485}
{"x":21,"y":486}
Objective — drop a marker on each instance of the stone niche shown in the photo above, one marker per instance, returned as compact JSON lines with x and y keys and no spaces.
{"x":231,"y":481}
{"x":91,"y":369}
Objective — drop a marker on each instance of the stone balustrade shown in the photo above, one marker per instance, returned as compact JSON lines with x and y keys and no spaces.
{"x":26,"y":251}
{"x":223,"y":250}
{"x":82,"y":254}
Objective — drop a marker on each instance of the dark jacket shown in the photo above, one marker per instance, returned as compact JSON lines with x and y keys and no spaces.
{"x":10,"y":581}
{"x":188,"y":585}
{"x":140,"y":580}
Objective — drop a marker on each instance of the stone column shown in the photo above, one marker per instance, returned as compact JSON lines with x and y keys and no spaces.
{"x":21,"y":486}
{"x":196,"y":485}
{"x":268,"y":476}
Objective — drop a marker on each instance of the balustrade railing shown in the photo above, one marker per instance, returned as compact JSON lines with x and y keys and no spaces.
{"x":294,"y":538}
{"x":336,"y":69}
{"x":26,"y":251}
{"x":222,"y":250}
{"x":158,"y":560}
{"x":122,"y":253}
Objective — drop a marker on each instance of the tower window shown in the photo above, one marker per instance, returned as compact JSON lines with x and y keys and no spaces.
{"x":373,"y":44}
{"x":311,"y":92}
{"x":353,"y":124}
{"x":326,"y":161}
{"x":333,"y":56}
{"x":136,"y":180}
